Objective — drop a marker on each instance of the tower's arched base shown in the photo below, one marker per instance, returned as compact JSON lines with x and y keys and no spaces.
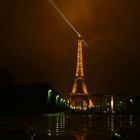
{"x":80,"y":102}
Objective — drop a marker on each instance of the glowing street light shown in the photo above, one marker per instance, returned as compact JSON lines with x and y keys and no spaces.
{"x":61,"y":102}
{"x":49,"y":95}
{"x":131,"y":101}
{"x":57,"y":97}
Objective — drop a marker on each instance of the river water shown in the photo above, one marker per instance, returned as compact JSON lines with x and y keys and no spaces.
{"x":72,"y":126}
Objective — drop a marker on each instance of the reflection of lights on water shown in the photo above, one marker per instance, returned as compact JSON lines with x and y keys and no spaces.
{"x":57,"y":125}
{"x":131,"y":123}
{"x":90,"y":116}
{"x":49,"y":132}
{"x":110,"y":122}
{"x":85,"y":130}
{"x":130,"y":120}
{"x":79,"y":137}
{"x":60,"y":124}
{"x":57,"y":130}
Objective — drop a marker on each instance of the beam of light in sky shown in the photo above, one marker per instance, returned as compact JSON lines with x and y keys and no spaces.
{"x":62,"y":15}
{"x":66,"y":20}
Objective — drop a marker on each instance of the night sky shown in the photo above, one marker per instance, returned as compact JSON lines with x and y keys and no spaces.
{"x":37,"y":45}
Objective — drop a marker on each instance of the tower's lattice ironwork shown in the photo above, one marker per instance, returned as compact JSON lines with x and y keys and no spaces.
{"x":79,"y":87}
{"x":79,"y":96}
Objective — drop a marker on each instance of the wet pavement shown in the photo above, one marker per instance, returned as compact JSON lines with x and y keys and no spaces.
{"x":72,"y":126}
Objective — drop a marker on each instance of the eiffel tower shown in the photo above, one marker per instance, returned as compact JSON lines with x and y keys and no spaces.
{"x":79,"y":98}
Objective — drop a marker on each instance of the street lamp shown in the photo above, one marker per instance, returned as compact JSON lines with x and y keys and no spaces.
{"x":56,"y":100}
{"x":131,"y":101}
{"x":61,"y":102}
{"x":49,"y":95}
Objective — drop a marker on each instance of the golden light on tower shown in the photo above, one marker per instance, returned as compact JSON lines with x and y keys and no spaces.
{"x":79,"y":96}
{"x":79,"y":68}
{"x":79,"y":81}
{"x":91,"y":103}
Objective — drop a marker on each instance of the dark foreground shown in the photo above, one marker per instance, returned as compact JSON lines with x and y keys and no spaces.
{"x":72,"y":127}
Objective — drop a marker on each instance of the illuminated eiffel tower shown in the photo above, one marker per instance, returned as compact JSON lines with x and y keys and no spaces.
{"x":79,"y":98}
